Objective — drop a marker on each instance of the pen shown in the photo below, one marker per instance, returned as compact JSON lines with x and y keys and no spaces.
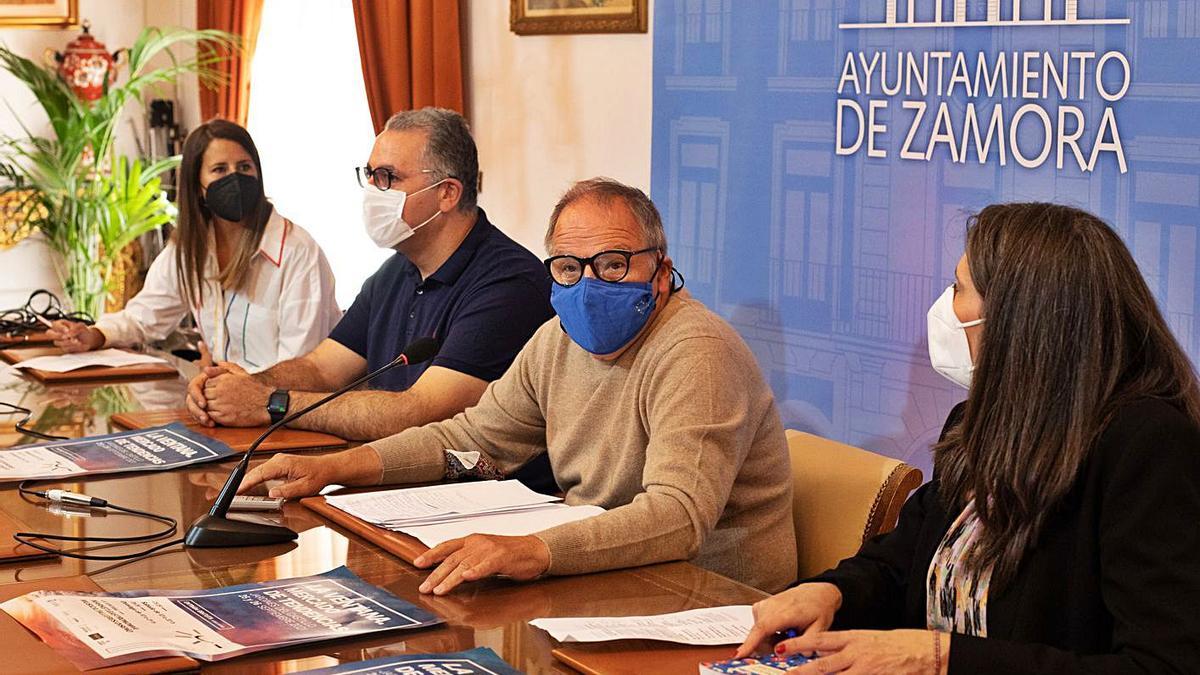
{"x":781,"y":635}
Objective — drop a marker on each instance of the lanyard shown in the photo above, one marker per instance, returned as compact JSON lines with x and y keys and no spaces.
{"x":221,"y":337}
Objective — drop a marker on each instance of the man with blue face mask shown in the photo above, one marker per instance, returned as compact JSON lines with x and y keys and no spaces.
{"x":647,"y":403}
{"x":454,"y":276}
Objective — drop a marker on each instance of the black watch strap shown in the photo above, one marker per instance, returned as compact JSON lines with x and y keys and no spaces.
{"x":277,"y":404}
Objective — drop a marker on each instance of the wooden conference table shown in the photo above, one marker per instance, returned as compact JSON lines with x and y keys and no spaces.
{"x":492,"y":613}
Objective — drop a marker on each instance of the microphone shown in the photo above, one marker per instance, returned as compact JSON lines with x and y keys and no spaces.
{"x":214,"y":529}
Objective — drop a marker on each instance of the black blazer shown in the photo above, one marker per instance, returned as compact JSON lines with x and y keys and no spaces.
{"x":1112,"y":586}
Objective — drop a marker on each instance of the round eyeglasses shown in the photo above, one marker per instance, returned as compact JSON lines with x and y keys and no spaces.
{"x":610,"y":266}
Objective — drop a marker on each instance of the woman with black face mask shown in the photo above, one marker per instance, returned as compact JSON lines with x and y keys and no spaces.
{"x":258,"y":286}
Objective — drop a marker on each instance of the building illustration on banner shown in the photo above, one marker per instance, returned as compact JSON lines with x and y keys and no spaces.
{"x":827,"y":264}
{"x":1067,"y":13}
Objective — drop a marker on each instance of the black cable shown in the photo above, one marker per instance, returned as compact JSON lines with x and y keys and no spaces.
{"x":94,"y":556}
{"x":41,"y":303}
{"x":172,"y":526}
{"x":20,"y":426}
{"x":26,"y":538}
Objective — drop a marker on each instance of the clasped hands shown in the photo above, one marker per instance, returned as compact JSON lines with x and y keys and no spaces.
{"x":810,"y":608}
{"x":224,"y":393}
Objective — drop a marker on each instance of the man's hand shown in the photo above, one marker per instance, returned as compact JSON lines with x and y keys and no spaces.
{"x":73,"y":336}
{"x":483,"y":555}
{"x":304,"y":475}
{"x":234,"y":399}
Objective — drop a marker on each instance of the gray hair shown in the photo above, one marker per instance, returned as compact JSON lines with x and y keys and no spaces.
{"x":604,"y":190}
{"x":449,"y":150}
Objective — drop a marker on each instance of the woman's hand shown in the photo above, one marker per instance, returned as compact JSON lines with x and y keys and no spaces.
{"x":866,"y":652}
{"x":73,"y":336}
{"x":808,"y":608}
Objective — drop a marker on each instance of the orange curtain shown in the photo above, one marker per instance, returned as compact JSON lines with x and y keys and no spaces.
{"x":230,"y":100}
{"x":411,"y":55}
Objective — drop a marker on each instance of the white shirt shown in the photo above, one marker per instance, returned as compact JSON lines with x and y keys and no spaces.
{"x":285,"y":307}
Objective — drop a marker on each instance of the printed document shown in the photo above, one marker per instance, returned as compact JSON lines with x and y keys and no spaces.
{"x":709,"y":626}
{"x":112,"y":358}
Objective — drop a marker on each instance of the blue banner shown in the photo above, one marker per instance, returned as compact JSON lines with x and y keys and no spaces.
{"x":815,"y":163}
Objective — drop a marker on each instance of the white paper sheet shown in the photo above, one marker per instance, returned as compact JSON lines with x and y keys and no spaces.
{"x":507,"y":524}
{"x":438,"y":503}
{"x":103,"y":357}
{"x":22,"y":463}
{"x":709,"y":626}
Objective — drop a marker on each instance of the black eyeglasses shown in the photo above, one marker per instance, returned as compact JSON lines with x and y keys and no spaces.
{"x":382,"y":179}
{"x":610,"y":266}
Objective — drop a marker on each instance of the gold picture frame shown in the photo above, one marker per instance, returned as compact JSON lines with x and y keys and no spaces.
{"x":555,"y":17}
{"x":51,"y":14}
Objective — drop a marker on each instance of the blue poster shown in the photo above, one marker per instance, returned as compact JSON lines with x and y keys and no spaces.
{"x":153,"y":449}
{"x":105,"y":629}
{"x":816,"y":161}
{"x":478,"y":661}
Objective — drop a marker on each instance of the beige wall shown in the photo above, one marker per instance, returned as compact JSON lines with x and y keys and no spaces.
{"x":116,"y":23}
{"x":548,"y":110}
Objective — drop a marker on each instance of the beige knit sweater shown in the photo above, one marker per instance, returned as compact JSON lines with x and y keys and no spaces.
{"x":679,"y":439}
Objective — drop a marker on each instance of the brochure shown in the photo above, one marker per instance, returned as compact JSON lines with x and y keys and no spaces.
{"x":478,"y":661}
{"x":762,"y":665}
{"x":96,"y":630}
{"x":153,"y":449}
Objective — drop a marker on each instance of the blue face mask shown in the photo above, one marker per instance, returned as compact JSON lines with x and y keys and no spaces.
{"x":602,"y":316}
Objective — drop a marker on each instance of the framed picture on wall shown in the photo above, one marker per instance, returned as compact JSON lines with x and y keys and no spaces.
{"x":546,"y":17}
{"x":39,"y":13}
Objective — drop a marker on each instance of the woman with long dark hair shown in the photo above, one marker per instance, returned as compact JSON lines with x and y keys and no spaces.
{"x":1061,"y":532}
{"x":257,"y":285}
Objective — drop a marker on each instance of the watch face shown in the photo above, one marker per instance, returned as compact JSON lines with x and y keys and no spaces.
{"x":278,"y":402}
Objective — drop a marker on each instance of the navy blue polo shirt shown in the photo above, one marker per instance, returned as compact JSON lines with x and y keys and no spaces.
{"x":483,"y":303}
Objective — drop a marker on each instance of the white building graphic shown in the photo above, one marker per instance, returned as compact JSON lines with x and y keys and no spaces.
{"x":1065,"y":14}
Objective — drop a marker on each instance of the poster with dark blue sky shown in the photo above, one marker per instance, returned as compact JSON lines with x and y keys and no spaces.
{"x":153,"y":449}
{"x":96,"y":630}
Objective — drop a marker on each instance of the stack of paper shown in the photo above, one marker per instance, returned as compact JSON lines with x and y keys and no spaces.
{"x":439,"y":513}
{"x":510,"y":524}
{"x":104,"y":357}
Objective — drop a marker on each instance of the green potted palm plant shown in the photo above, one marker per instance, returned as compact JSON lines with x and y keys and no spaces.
{"x":89,"y":201}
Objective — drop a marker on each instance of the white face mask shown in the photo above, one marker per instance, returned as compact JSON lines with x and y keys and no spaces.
{"x":949,"y":351}
{"x":383,"y":215}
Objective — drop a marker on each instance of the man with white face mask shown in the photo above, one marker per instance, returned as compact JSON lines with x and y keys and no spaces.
{"x":455,"y":277}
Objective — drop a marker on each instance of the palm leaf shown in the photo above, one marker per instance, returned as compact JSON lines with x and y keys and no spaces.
{"x":90,"y":212}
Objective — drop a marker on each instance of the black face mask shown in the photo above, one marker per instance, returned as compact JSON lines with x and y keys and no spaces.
{"x":234,"y":197}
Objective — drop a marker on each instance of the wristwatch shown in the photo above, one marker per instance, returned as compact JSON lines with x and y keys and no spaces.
{"x":277,"y":404}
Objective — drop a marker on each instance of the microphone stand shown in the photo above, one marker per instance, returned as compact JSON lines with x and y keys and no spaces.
{"x":215,"y":529}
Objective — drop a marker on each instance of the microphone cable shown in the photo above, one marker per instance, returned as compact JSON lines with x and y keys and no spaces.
{"x":64,"y":497}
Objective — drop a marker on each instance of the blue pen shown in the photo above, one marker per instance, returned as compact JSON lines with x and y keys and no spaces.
{"x":781,"y":635}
